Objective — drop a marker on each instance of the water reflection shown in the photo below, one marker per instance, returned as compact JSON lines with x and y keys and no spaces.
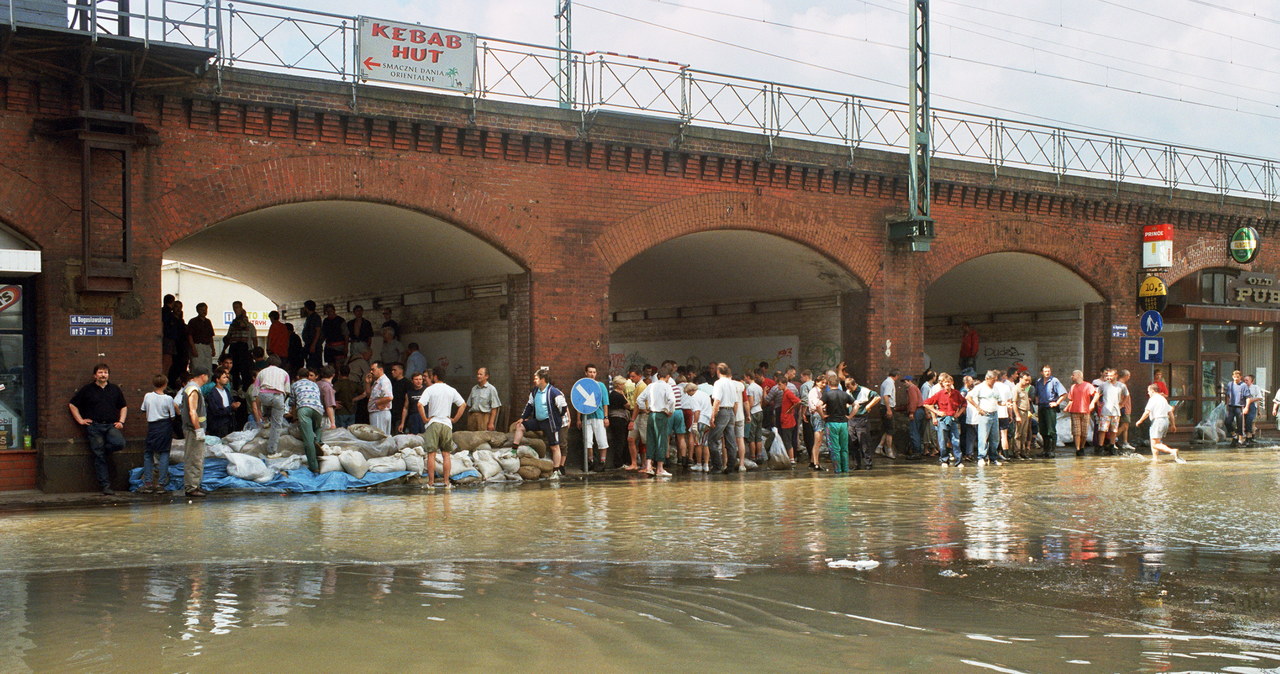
{"x":1031,"y":556}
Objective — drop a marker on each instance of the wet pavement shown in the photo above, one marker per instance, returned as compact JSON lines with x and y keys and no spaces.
{"x":1095,"y":564}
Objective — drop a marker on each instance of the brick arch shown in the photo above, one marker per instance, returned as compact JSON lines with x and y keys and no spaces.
{"x":26,"y":207}
{"x":417,"y":186}
{"x":1061,"y":245}
{"x":739,"y":211}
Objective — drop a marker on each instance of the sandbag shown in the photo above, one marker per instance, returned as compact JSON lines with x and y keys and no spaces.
{"x":214,"y":451}
{"x":337,"y":435}
{"x":456,"y":467}
{"x":467,"y":477}
{"x":289,"y":446}
{"x":291,"y":462}
{"x":386,"y":446}
{"x":510,"y":463}
{"x":462,"y":457}
{"x":467,"y":441}
{"x":543,"y":465}
{"x":486,"y":464}
{"x":539,"y":446}
{"x":354,"y":463}
{"x":255,"y":447}
{"x":367,"y":433}
{"x":238,"y":438}
{"x":494,"y":438}
{"x":526,"y":451}
{"x":294,"y":431}
{"x":778,"y":459}
{"x":408,"y":440}
{"x":529,"y":472}
{"x":751,"y":465}
{"x":414,"y":463}
{"x":387,"y":464}
{"x":248,"y":467}
{"x":330,"y":464}
{"x":483,"y":447}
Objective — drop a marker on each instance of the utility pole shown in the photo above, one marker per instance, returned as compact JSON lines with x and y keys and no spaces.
{"x":916,"y":229}
{"x":564,"y":53}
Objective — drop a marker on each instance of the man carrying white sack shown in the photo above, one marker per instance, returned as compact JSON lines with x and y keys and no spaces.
{"x":434,"y":406}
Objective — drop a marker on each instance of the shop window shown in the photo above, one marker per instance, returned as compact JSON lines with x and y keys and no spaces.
{"x":1219,"y":339}
{"x":1179,"y":342}
{"x":13,"y":403}
{"x":1257,"y":354}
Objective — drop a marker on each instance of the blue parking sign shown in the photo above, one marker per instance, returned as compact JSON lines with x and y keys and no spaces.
{"x":1151,"y":350}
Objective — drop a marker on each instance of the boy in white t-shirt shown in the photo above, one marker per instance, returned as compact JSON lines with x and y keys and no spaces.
{"x":161,"y":411}
{"x":1161,"y":414}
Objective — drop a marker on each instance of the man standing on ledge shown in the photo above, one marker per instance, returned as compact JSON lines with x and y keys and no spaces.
{"x":482,"y":404}
{"x":99,"y":406}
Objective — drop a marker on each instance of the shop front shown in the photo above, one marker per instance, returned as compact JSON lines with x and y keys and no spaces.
{"x":1219,"y":321}
{"x":19,"y":263}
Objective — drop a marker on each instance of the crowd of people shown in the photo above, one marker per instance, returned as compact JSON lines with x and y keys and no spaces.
{"x":652,"y":419}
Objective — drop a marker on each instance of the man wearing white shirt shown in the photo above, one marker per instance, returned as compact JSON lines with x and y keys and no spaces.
{"x":888,"y":400}
{"x":726,"y":403}
{"x":661,"y":401}
{"x":699,"y":424}
{"x":378,"y":388}
{"x":436,"y":409}
{"x":986,"y":403}
{"x":1006,"y":391}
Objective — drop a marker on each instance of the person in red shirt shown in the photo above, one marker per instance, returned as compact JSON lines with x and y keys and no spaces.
{"x":946,"y":406}
{"x":787,"y":414}
{"x":1083,"y":398}
{"x":277,"y":337}
{"x":968,"y":347}
{"x":1162,"y":387}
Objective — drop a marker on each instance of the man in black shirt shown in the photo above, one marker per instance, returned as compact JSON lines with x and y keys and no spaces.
{"x":399,"y":391}
{"x":334,"y":330}
{"x":311,"y":335}
{"x":99,"y":406}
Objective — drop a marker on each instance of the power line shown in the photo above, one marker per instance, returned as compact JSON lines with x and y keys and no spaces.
{"x":1233,"y":10}
{"x":1188,"y":24}
{"x":1026,"y":71}
{"x":944,"y":96}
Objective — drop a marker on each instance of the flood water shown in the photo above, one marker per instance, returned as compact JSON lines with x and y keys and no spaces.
{"x":1094,"y":564}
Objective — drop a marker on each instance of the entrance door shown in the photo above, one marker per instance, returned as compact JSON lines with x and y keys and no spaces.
{"x":1215,"y":373}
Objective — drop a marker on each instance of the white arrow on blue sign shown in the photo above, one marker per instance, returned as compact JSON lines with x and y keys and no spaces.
{"x":586,"y":396}
{"x":1152,"y":323}
{"x":1151,"y":350}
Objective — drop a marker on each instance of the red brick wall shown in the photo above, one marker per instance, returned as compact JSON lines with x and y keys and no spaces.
{"x":569,"y":204}
{"x":17,"y":469}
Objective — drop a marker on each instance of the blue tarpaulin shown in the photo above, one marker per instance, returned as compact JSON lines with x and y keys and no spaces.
{"x":298,"y":479}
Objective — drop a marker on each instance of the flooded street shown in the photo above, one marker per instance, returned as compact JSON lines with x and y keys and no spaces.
{"x":1096,"y":564}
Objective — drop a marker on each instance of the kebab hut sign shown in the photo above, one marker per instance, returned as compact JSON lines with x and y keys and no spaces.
{"x":406,"y":53}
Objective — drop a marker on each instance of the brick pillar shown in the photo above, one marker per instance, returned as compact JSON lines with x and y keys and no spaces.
{"x":519,"y":332}
{"x":569,"y":311}
{"x":854,"y":307}
{"x":1097,"y":338}
{"x":895,"y":320}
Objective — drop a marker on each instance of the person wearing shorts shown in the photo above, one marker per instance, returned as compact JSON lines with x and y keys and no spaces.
{"x":1112,"y":399}
{"x":435,"y":407}
{"x":594,"y":426}
{"x":817,"y":422}
{"x":1082,"y":398}
{"x":1162,"y":422}
{"x":700,"y":409}
{"x":545,"y":412}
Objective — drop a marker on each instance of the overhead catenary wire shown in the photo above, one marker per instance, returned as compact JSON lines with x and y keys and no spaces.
{"x":1117,"y":88}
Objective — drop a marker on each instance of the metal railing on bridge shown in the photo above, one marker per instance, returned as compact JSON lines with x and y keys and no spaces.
{"x":265,"y":36}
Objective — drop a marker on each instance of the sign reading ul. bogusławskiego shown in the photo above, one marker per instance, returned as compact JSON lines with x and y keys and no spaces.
{"x":406,"y":53}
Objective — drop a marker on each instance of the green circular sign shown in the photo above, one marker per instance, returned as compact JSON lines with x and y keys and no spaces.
{"x":1243,"y":245}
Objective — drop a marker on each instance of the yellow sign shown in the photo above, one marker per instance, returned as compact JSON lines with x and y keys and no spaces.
{"x":1153,"y":286}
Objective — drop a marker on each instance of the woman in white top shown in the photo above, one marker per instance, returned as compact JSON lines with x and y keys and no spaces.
{"x":1161,"y":414}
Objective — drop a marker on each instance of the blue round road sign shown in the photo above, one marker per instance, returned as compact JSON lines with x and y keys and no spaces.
{"x":586,"y":396}
{"x":1152,"y":323}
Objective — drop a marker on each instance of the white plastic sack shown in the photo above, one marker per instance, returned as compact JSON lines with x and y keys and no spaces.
{"x":354,"y":463}
{"x":751,"y":465}
{"x":290,"y":445}
{"x":386,"y":447}
{"x":218,"y":451}
{"x":510,"y":463}
{"x":403,"y":441}
{"x":455,"y":466}
{"x":387,"y":464}
{"x":255,"y":447}
{"x":413,"y":463}
{"x":291,"y":462}
{"x":337,"y":435}
{"x":778,"y":459}
{"x":526,"y":450}
{"x":330,"y":464}
{"x":463,"y":457}
{"x":367,"y":433}
{"x":248,"y":467}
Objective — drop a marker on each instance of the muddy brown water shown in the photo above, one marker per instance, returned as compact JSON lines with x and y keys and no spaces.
{"x":1097,"y":564}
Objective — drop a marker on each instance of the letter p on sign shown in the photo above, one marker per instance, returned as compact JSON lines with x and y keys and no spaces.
{"x":1151,"y":350}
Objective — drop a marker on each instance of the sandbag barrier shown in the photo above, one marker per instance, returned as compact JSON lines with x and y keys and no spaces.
{"x":354,"y":457}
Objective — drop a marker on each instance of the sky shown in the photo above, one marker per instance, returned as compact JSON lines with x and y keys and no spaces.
{"x":1200,"y":73}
